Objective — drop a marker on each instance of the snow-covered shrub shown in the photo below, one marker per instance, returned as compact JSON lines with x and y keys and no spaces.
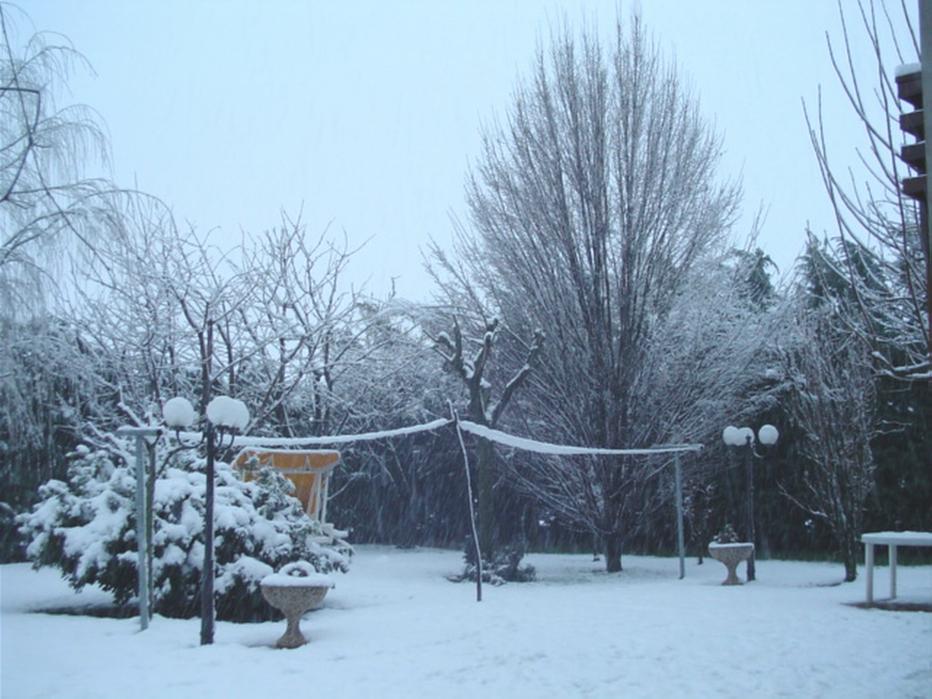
{"x":504,"y":567}
{"x":86,"y":527}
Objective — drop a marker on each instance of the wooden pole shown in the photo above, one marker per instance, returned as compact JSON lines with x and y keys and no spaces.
{"x":680,"y":541}
{"x":750,"y":510}
{"x":472,"y":512}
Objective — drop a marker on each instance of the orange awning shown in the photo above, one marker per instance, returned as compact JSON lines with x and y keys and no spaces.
{"x":308,"y":470}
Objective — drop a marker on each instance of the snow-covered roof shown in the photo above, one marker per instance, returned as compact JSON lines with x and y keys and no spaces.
{"x":907,"y":69}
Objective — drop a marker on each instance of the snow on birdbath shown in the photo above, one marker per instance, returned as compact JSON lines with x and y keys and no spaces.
{"x":295,"y":589}
{"x":731,"y":555}
{"x":726,"y":549}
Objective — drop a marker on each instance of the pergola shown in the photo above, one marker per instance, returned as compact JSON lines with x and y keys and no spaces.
{"x":309,"y":470}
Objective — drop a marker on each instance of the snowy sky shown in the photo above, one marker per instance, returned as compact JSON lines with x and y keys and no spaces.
{"x":367,"y":114}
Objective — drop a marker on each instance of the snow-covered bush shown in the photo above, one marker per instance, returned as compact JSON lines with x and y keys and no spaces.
{"x":504,"y":567}
{"x":86,"y":527}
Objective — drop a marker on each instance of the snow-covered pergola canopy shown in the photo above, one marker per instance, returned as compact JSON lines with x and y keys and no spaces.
{"x":497,"y":436}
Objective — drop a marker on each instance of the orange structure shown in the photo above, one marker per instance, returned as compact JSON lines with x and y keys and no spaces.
{"x":308,"y":470}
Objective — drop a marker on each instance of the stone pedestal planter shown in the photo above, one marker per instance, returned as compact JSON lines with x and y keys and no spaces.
{"x":731,"y":555}
{"x":294,"y":595}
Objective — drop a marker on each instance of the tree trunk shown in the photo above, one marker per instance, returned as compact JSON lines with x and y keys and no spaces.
{"x":850,"y":554}
{"x":613,"y":544}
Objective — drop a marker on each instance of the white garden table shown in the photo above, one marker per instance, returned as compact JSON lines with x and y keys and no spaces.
{"x":892,"y":540}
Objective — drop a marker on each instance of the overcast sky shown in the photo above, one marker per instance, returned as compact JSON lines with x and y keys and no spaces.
{"x":367,"y":114}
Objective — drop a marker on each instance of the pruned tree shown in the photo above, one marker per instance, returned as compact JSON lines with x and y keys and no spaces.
{"x":485,"y":410}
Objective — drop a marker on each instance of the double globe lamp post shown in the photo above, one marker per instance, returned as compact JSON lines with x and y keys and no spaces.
{"x":225,"y":416}
{"x":744,"y":437}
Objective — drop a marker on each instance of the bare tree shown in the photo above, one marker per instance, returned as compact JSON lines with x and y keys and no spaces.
{"x":589,"y":207}
{"x":893,"y":301}
{"x":45,"y":198}
{"x":704,"y":365}
{"x":307,"y":324}
{"x":833,"y":403}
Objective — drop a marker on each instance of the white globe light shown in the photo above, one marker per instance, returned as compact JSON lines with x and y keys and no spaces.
{"x":227,"y":412}
{"x":731,"y":435}
{"x":242,"y":415}
{"x":178,"y":412}
{"x":768,"y":434}
{"x":747,"y":436}
{"x":221,"y":411}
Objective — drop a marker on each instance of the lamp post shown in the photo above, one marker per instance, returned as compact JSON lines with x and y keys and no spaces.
{"x":744,"y":437}
{"x":143,"y":435}
{"x":225,"y":416}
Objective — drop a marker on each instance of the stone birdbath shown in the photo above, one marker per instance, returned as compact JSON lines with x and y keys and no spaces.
{"x":731,"y":554}
{"x":293,"y":590}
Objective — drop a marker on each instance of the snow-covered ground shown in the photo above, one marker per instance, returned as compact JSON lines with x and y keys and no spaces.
{"x":394,"y":627}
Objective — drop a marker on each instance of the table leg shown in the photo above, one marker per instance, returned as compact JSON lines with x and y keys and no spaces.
{"x":892,"y":571}
{"x":869,"y":576}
